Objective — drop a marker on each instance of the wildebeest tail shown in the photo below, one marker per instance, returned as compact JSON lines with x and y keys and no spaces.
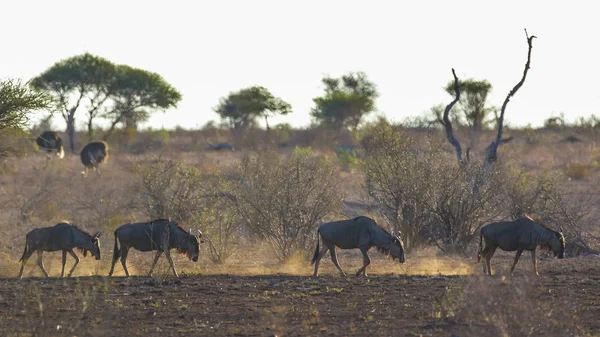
{"x":314,"y":259}
{"x":24,"y":251}
{"x":480,"y":245}
{"x":116,"y":251}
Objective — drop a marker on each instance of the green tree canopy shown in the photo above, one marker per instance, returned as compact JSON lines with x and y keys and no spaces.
{"x":242,"y":108}
{"x":346,"y":100}
{"x":473,"y":101}
{"x":16,"y":102}
{"x":71,"y":80}
{"x":137,"y":92}
{"x":119,"y":93}
{"x":472,"y":106}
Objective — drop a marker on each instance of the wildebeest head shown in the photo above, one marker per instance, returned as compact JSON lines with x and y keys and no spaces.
{"x":191,"y":246}
{"x":95,"y":251}
{"x":558,"y":244}
{"x":397,"y":248}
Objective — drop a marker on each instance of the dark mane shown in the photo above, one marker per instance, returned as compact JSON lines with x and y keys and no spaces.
{"x":178,"y":226}
{"x":535,"y":218}
{"x":76,"y":227}
{"x":375,"y":222}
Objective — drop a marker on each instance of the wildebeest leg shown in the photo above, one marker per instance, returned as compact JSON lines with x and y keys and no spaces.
{"x":24,"y":258}
{"x":64,"y":261}
{"x":319,"y":257}
{"x":535,"y":267}
{"x":484,"y":254}
{"x":366,"y":262}
{"x":158,"y":252}
{"x":114,"y":260}
{"x":76,"y":262}
{"x":40,"y":263}
{"x":488,"y":258}
{"x":519,"y":252}
{"x":335,"y":261}
{"x":168,"y":255}
{"x":124,"y":252}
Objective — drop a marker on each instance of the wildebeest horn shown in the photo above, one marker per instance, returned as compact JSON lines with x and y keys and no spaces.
{"x":199,"y":233}
{"x":190,"y":231}
{"x":560,"y":229}
{"x":97,"y":235}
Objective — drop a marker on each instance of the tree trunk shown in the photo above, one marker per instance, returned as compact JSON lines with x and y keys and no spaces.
{"x":130,"y":123}
{"x":476,"y":131}
{"x":69,"y":116}
{"x":90,"y":129}
{"x":112,"y":128}
{"x":71,"y":129}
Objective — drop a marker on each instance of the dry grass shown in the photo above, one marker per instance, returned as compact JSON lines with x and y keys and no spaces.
{"x":38,"y":192}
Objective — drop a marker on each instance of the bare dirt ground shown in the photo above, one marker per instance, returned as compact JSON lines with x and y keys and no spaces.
{"x":564,"y":301}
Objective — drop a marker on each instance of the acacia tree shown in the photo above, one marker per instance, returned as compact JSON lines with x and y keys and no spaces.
{"x":69,"y":81}
{"x":16,"y":102}
{"x":102,"y":90}
{"x":243,"y":107}
{"x":472,"y":105}
{"x":346,"y":100}
{"x":117,"y":92}
{"x":135,"y":93}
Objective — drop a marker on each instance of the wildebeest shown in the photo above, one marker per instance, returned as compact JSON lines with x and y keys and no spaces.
{"x":361,"y":232}
{"x":62,"y":236}
{"x":93,"y":154}
{"x":50,"y":141}
{"x":161,"y":235}
{"x":519,"y":235}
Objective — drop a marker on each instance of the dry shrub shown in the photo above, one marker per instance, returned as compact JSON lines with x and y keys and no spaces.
{"x":425,"y":193}
{"x":220,"y":223}
{"x":283,"y":199}
{"x":527,"y":193}
{"x":463,"y":199}
{"x":171,"y":189}
{"x":507,"y":307}
{"x":577,"y":171}
{"x":220,"y":228}
{"x":16,"y":142}
{"x":46,"y":191}
{"x":149,"y":140}
{"x":100,"y":202}
{"x":398,"y":178}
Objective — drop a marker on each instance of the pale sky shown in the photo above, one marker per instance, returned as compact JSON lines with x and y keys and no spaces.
{"x":208,"y":48}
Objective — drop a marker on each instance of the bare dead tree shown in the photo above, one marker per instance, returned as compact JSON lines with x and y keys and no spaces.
{"x":448,"y":124}
{"x":493,"y":147}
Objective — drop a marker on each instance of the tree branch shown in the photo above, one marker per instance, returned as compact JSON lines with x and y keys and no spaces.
{"x":448,"y":124}
{"x":493,"y":148}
